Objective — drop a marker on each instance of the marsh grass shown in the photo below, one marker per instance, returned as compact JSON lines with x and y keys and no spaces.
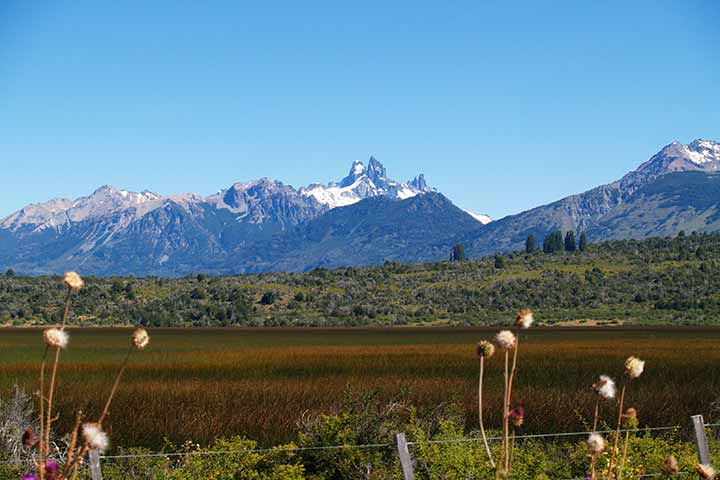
{"x":190,"y":379}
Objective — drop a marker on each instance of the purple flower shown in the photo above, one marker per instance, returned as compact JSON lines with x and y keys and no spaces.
{"x":52,"y":469}
{"x":29,"y":476}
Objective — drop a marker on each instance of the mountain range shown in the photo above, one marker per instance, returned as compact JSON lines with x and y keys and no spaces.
{"x":366,"y":218}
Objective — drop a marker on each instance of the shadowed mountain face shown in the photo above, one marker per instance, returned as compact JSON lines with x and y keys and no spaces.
{"x":588,"y":210}
{"x":364,"y":219}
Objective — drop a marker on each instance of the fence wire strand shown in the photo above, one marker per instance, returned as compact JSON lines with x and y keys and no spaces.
{"x":544,"y":435}
{"x":370,"y":445}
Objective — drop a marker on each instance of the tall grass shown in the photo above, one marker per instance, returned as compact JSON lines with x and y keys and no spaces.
{"x":191,"y":378}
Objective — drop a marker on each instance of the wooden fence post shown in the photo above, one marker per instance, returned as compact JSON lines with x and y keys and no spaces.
{"x":701,"y":439}
{"x":405,"y":458}
{"x":95,"y":470}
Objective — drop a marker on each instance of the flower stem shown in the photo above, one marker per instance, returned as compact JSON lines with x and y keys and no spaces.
{"x":480,"y":412}
{"x":617,"y":433}
{"x":114,"y":388}
{"x":624,"y":457}
{"x":509,"y":402}
{"x":41,"y":439}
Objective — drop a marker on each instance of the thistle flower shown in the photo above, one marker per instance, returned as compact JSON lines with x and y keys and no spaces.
{"x":634,"y":367}
{"x":670,"y":466}
{"x":605,"y":387}
{"x":52,"y":470}
{"x":630,"y":418}
{"x":524,"y":318}
{"x":140,"y":338}
{"x":29,"y":476}
{"x":706,"y":471}
{"x":485,"y":349}
{"x":56,"y":337}
{"x":73,"y":280}
{"x":517,"y":416}
{"x":596,"y":443}
{"x":94,"y":437}
{"x":506,"y":340}
{"x":29,"y":439}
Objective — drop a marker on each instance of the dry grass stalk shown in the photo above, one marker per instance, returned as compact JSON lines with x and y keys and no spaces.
{"x":484,"y":350}
{"x":93,"y":436}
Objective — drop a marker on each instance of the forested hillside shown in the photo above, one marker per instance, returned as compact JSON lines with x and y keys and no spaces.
{"x":658,"y":280}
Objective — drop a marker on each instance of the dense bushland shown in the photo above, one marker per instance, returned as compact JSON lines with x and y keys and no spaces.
{"x":653,"y":281}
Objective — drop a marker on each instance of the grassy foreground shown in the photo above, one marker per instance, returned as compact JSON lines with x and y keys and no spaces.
{"x":204,"y":384}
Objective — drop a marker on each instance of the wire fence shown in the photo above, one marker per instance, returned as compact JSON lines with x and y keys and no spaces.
{"x":374,"y":445}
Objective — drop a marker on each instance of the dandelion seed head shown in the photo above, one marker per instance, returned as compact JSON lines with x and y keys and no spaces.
{"x":505,"y":340}
{"x":485,"y":349}
{"x":140,"y":338}
{"x":605,"y":387}
{"x":56,"y":337}
{"x":634,"y":367}
{"x":94,"y":437}
{"x":73,"y":280}
{"x":524,"y":318}
{"x":596,"y":443}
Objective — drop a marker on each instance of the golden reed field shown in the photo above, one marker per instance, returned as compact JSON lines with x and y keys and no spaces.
{"x":198,"y":384}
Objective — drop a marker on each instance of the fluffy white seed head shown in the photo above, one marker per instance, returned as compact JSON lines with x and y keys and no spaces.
{"x":56,"y":337}
{"x":140,"y":338}
{"x":524,"y":318}
{"x":94,"y":437}
{"x":73,"y":280}
{"x":605,"y":387}
{"x":596,"y":443}
{"x":506,"y":340}
{"x":634,"y":367}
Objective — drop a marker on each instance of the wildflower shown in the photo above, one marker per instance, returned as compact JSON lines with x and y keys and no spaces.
{"x":706,"y":471}
{"x":140,"y":338}
{"x":52,"y":470}
{"x":506,"y":340}
{"x":670,"y":466}
{"x":485,"y":349}
{"x":29,"y":439}
{"x":517,"y":416}
{"x":634,"y":367}
{"x":73,"y":281}
{"x":596,"y":443}
{"x":29,"y":476}
{"x":605,"y":387}
{"x":630,"y":418}
{"x":56,"y":337}
{"x":524,"y":318}
{"x":94,"y":437}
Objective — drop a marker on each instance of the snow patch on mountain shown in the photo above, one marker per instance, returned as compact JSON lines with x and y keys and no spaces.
{"x":484,"y":219}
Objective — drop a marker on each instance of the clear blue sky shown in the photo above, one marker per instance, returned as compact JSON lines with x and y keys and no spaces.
{"x":503,"y":106}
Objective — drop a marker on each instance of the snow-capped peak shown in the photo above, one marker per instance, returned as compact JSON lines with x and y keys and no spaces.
{"x":361,"y":183}
{"x":103,"y":201}
{"x":703,"y":151}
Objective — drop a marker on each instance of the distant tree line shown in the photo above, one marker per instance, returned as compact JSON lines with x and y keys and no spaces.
{"x":555,"y":242}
